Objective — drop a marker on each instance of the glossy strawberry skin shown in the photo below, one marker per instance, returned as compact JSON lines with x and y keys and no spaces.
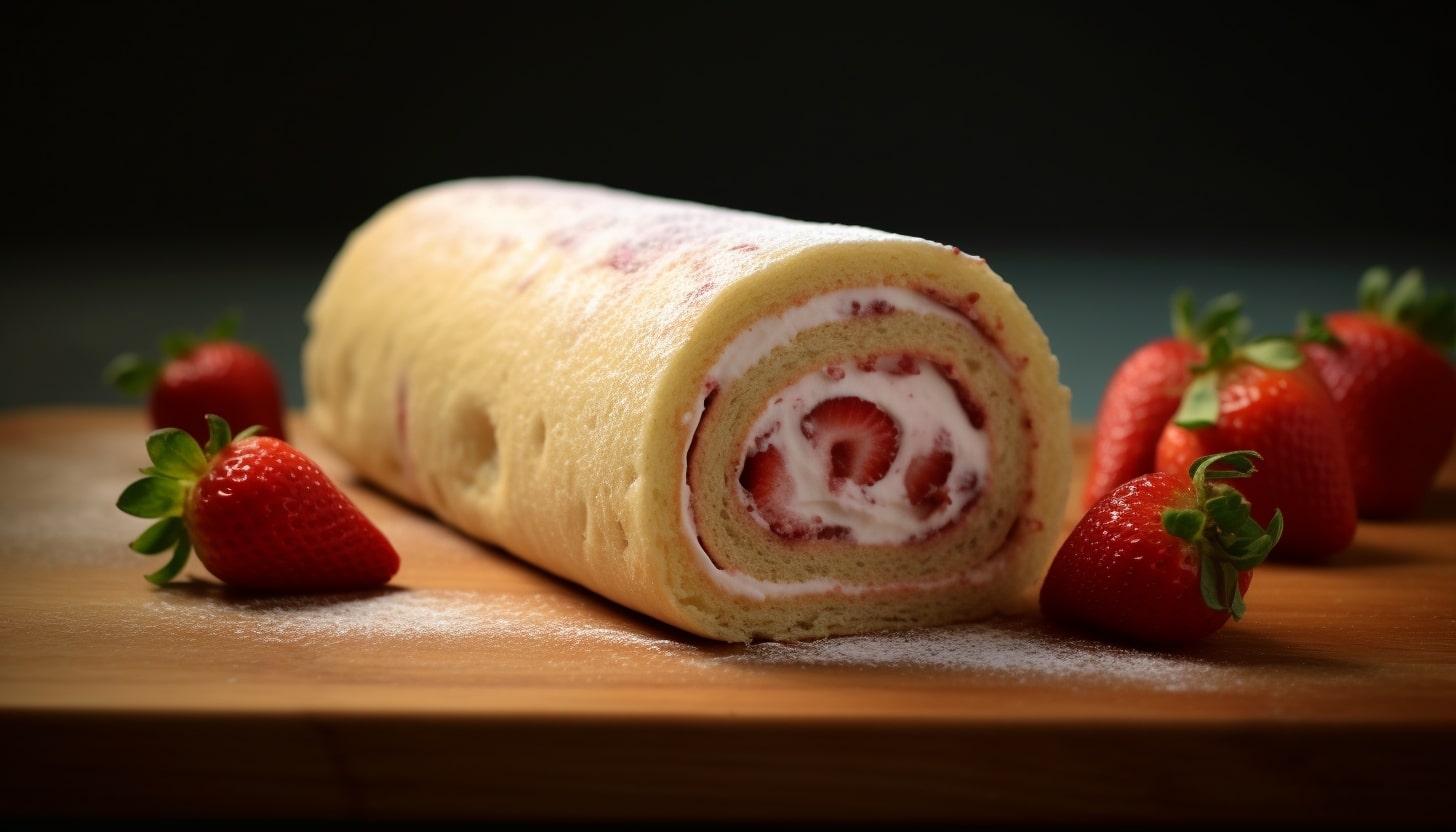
{"x":1289,"y":417}
{"x":1142,"y":395}
{"x":1121,"y":573}
{"x":265,"y":518}
{"x":224,"y":377}
{"x":1396,"y":399}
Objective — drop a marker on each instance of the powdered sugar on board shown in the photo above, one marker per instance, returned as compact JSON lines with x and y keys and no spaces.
{"x":1006,"y":648}
{"x":1014,"y":651}
{"x":436,"y":616}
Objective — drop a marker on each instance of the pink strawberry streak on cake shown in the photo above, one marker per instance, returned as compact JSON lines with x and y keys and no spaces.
{"x":918,"y":400}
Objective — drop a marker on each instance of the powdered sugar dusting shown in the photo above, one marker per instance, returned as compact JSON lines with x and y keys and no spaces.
{"x":1004,"y":648}
{"x":549,"y":627}
{"x":413,"y":615}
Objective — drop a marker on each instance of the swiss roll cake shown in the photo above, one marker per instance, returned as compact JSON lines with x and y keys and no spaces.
{"x":745,"y":426}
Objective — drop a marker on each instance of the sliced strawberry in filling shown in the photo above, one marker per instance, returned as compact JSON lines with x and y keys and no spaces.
{"x":766,"y":478}
{"x":926,"y":476}
{"x":887,"y":450}
{"x":856,"y":439}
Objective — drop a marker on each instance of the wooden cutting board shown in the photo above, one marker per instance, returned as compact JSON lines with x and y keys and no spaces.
{"x":477,"y":687}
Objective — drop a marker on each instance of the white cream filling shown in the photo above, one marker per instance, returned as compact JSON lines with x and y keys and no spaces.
{"x":923,"y":405}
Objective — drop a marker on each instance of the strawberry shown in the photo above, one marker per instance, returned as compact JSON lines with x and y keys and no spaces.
{"x":1264,"y":395}
{"x":856,"y":439}
{"x":262,"y":516}
{"x":925,"y":478}
{"x":1163,"y":559}
{"x":765,"y":477}
{"x":1144,"y":392}
{"x":214,"y":374}
{"x":1394,"y":389}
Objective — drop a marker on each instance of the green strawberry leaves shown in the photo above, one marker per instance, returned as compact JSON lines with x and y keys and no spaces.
{"x":167,"y":533}
{"x":174,"y":453}
{"x":1222,"y":326}
{"x":1184,"y":524}
{"x":1222,"y":314}
{"x":1406,"y":303}
{"x":131,"y":374}
{"x":179,"y":343}
{"x":1199,"y":407}
{"x":178,"y":462}
{"x":1228,"y":539}
{"x":134,"y":375}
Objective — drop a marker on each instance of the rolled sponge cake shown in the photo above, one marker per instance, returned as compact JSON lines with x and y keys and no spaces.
{"x":746,"y":426}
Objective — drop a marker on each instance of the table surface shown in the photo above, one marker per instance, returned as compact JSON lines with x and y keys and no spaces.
{"x":476,"y":686}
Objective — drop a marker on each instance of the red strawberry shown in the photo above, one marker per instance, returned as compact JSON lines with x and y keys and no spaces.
{"x":925,"y":479}
{"x":857,"y":443}
{"x":1162,"y":559}
{"x":1393,"y":387}
{"x":766,"y":479}
{"x":1264,"y":396}
{"x":1144,"y":392}
{"x":262,"y":516}
{"x":216,"y":374}
{"x":855,"y":438}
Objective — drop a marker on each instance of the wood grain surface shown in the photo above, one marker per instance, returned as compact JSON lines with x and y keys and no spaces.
{"x":478,"y":687}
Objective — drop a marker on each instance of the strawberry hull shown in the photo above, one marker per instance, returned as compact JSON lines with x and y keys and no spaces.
{"x":745,"y":426}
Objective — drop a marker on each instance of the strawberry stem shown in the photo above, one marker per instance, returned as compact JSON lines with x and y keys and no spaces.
{"x":1228,"y":539}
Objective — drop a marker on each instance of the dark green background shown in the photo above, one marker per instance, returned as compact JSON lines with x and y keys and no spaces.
{"x":167,"y":163}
